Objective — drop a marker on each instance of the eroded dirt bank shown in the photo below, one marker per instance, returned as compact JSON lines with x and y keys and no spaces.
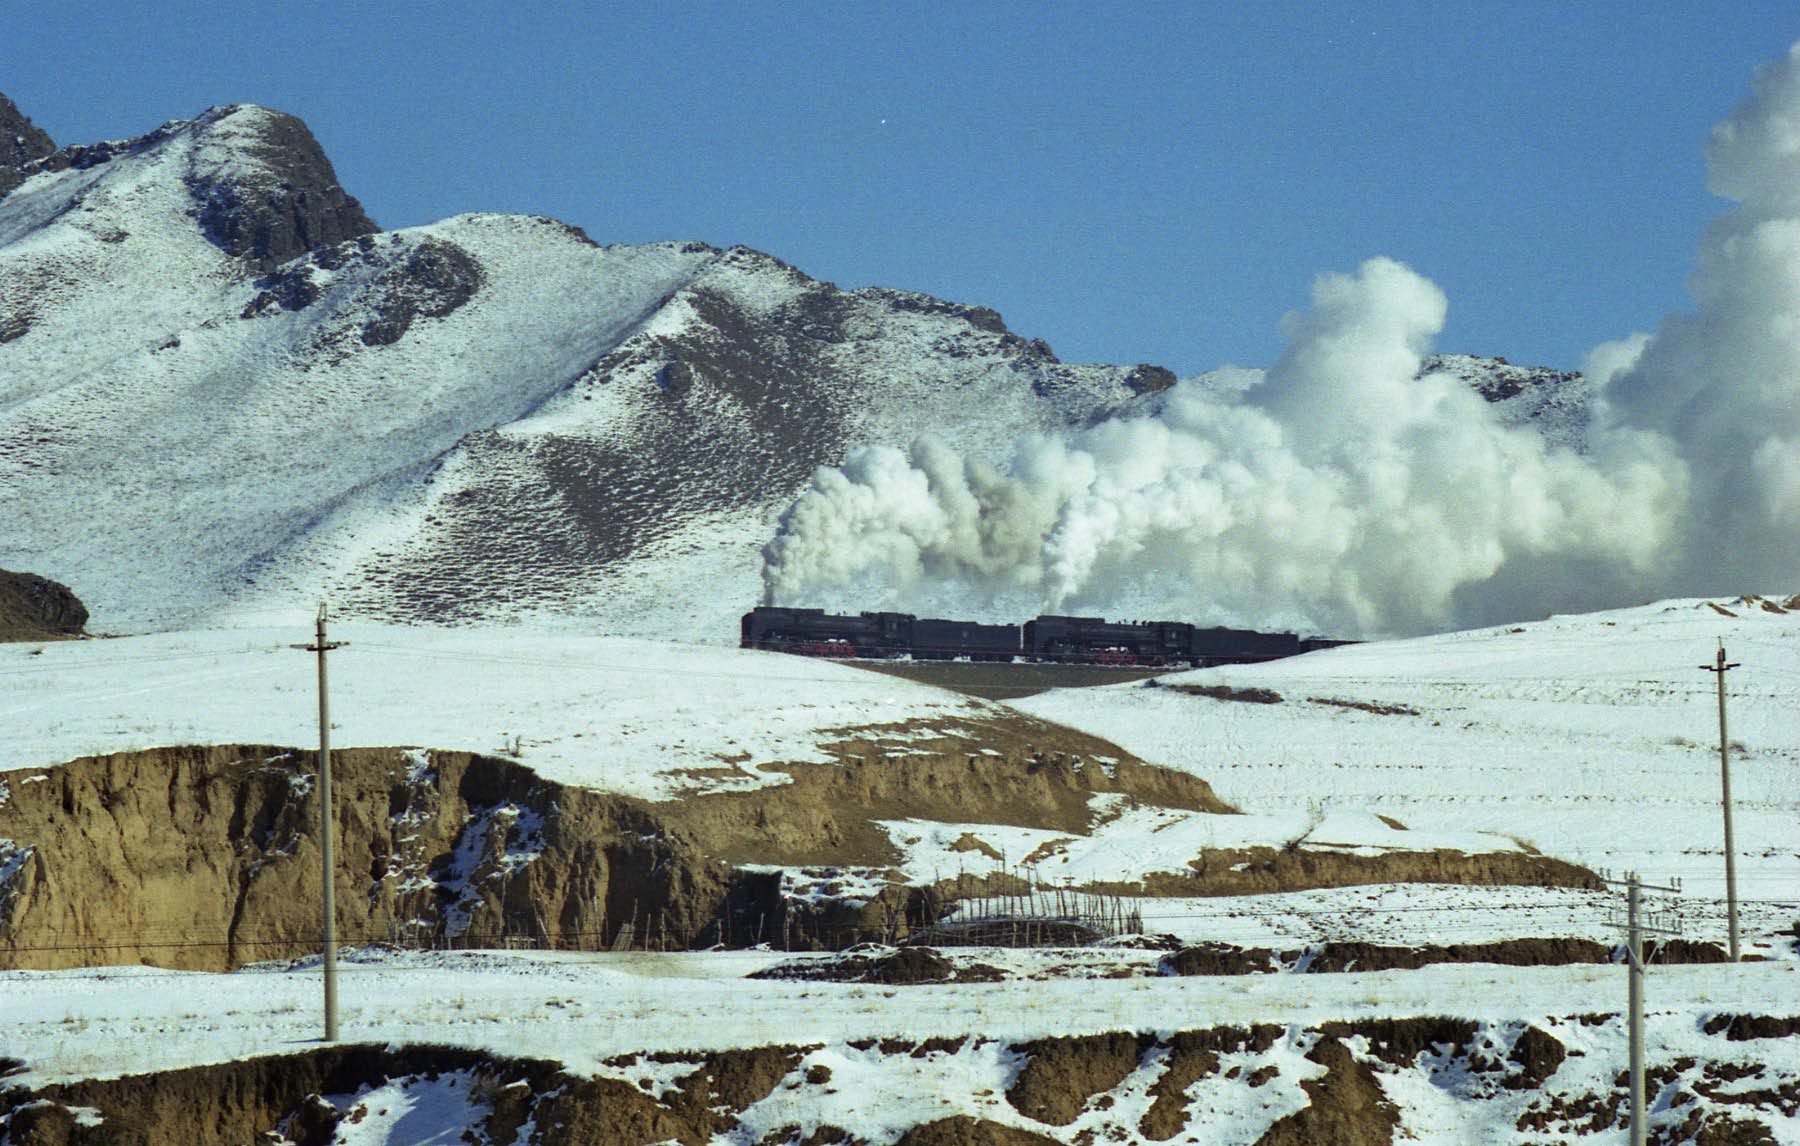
{"x":1369,"y":1082}
{"x":207,"y":857}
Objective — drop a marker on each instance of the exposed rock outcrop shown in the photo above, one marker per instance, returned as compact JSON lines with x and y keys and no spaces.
{"x":21,"y":142}
{"x":34,"y":608}
{"x":284,"y":202}
{"x":207,"y":858}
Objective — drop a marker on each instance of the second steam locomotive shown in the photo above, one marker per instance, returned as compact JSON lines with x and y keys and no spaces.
{"x":1087,"y":640}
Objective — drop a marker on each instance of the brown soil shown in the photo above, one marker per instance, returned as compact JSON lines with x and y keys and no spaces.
{"x":903,"y":966}
{"x":1225,"y":692}
{"x":1538,"y":1055}
{"x":1679,"y":1086}
{"x":965,"y":1131}
{"x":1013,"y":770}
{"x":206,"y":857}
{"x":1508,"y":952}
{"x":1261,"y":870}
{"x":1223,"y":959}
{"x":1348,"y":1106}
{"x":1742,"y":1028}
{"x":1061,"y":1079}
{"x":1062,"y":1074}
{"x":238,"y":1102}
{"x":1687,"y":951}
{"x":222,"y":1105}
{"x":1194,"y":1055}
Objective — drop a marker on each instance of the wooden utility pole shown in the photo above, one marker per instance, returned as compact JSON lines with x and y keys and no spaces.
{"x":321,"y":646}
{"x":1660,"y":923}
{"x":1719,"y":669}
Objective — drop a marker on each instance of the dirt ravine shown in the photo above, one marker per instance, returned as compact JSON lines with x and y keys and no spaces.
{"x":207,"y":858}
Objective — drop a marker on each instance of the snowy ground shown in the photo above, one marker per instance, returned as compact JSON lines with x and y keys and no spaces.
{"x":585,"y":1009}
{"x":1129,"y":840}
{"x":635,"y":717}
{"x":1592,"y":738}
{"x":1586,"y":737}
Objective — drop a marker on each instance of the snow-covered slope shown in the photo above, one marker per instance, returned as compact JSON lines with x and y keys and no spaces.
{"x":872,"y":1060}
{"x":647,"y":719}
{"x":490,"y":416}
{"x":1593,"y":738}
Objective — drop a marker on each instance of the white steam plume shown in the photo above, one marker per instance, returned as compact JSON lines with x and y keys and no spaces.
{"x":1342,"y":493}
{"x":1345,"y":494}
{"x":1723,"y":383}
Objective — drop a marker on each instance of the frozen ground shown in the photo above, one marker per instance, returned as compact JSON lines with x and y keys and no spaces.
{"x":635,"y":717}
{"x":1592,"y":738}
{"x":586,"y":1009}
{"x":1585,"y":736}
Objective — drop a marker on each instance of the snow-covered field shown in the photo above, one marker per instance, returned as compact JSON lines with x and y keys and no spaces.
{"x":1592,"y":738}
{"x":635,"y":717}
{"x":1129,"y":839}
{"x":586,"y":1009}
{"x":1586,"y":737}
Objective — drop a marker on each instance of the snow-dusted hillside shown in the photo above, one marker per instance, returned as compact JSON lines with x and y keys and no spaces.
{"x":223,"y":395}
{"x":639,"y":718}
{"x":1593,"y":738}
{"x":873,"y":1061}
{"x":1587,"y":737}
{"x":1557,"y":403}
{"x":490,"y":416}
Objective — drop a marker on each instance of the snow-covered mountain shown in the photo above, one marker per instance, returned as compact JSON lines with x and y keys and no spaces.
{"x":224,"y":393}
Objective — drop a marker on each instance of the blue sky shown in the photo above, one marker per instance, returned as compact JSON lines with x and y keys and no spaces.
{"x":1131,"y":182}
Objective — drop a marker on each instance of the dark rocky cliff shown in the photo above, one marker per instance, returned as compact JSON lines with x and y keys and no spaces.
{"x":21,"y":142}
{"x":33,"y":608}
{"x":292,"y":205}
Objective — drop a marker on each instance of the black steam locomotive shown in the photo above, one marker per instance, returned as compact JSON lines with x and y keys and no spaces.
{"x":1086,"y":640}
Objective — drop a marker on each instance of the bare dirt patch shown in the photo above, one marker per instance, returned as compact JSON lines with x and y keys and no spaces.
{"x":1194,"y":1055}
{"x":1261,"y":870}
{"x":1335,"y":957}
{"x":1062,"y":1074}
{"x":965,"y":1131}
{"x":1705,"y":1098}
{"x":1370,"y":706}
{"x":1222,"y":692}
{"x":901,"y":966}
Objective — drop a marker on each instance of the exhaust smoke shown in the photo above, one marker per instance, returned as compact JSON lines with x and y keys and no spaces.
{"x":1339,"y":491}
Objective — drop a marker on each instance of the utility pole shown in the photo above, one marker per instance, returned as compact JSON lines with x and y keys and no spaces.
{"x":1719,"y":669}
{"x":321,"y":646}
{"x":1659,"y":923}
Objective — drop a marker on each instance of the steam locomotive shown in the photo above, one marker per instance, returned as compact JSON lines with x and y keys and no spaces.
{"x":1084,"y":640}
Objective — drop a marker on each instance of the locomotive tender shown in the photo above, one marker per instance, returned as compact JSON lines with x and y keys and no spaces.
{"x":1086,"y":640}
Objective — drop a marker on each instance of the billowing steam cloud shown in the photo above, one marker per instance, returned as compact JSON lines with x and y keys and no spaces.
{"x":1342,"y":492}
{"x":1724,"y":382}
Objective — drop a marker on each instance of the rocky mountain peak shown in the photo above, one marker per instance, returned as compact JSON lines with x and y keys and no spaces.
{"x":264,"y":188}
{"x":21,"y":142}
